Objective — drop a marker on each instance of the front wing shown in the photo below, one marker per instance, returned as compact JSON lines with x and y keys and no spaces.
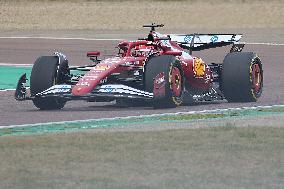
{"x":108,"y":91}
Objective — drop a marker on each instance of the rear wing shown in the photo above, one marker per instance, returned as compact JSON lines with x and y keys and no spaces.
{"x":197,"y":42}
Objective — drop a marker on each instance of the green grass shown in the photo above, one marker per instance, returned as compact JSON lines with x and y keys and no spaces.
{"x":152,"y":120}
{"x":224,"y":157}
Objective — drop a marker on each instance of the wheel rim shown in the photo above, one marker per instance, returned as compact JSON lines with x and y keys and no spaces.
{"x":256,"y":78}
{"x":176,"y":81}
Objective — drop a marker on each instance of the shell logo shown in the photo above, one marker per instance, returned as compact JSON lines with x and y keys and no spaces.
{"x":198,"y":67}
{"x":102,"y":67}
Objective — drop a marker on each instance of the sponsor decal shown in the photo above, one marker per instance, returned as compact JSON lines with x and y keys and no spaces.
{"x":159,"y":85}
{"x":214,"y":39}
{"x":109,"y":89}
{"x":56,"y":89}
{"x":101,"y":67}
{"x":123,"y":89}
{"x":166,"y":43}
{"x":96,"y":71}
{"x":160,"y":80}
{"x":63,"y":89}
{"x":103,"y":81}
{"x":144,"y":48}
{"x":91,"y":78}
{"x":113,"y":60}
{"x":198,"y":67}
{"x":208,"y":78}
{"x":187,"y":39}
{"x":85,"y":83}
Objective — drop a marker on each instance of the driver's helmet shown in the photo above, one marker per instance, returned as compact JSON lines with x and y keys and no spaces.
{"x":124,"y":45}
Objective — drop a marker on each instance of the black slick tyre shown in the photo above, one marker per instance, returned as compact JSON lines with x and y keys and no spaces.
{"x":242,"y":77}
{"x":44,"y":76}
{"x":170,"y":67}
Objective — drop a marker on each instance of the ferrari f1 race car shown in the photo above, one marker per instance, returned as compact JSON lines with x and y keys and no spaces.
{"x":159,"y":70}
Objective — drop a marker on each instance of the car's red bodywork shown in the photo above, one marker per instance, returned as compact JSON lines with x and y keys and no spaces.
{"x":131,"y":56}
{"x":124,"y":75}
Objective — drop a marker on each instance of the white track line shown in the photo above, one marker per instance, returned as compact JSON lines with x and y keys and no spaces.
{"x":3,"y":90}
{"x":114,"y":39}
{"x":268,"y":44}
{"x":64,"y":38}
{"x":15,"y":65}
{"x":141,"y":116}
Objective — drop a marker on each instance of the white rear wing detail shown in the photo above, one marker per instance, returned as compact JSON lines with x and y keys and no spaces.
{"x":196,"y":42}
{"x":198,"y":39}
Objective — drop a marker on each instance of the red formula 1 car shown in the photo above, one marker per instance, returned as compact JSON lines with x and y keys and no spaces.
{"x":159,"y":69}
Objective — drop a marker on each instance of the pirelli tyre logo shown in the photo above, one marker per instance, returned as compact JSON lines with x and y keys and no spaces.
{"x":198,"y":67}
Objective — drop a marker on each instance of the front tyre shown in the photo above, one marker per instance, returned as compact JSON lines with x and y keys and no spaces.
{"x":242,"y":77}
{"x":43,"y":76}
{"x":170,"y":71}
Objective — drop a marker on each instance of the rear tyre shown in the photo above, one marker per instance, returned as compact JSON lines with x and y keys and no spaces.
{"x":242,"y":77}
{"x":173,"y":76}
{"x":43,"y":76}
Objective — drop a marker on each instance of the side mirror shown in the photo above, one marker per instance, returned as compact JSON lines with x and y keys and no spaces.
{"x":93,"y":55}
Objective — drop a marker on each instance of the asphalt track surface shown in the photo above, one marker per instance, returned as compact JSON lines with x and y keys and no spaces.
{"x":25,"y":51}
